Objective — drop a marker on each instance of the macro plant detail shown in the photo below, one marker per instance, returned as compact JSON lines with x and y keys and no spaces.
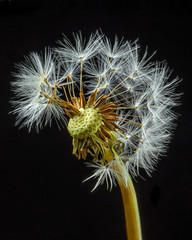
{"x":115,"y":103}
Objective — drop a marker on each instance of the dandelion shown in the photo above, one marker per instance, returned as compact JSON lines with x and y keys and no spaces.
{"x":115,"y":103}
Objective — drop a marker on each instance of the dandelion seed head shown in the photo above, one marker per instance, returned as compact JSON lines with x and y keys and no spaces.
{"x":116,"y":102}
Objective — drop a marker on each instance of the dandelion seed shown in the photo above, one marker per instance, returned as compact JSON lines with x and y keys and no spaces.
{"x":82,"y":51}
{"x":104,"y":173}
{"x":35,"y":92}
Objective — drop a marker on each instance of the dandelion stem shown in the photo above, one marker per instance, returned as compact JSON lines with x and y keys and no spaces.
{"x":132,"y":219}
{"x":131,"y":211}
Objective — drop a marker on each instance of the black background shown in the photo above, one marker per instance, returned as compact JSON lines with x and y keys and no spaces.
{"x":42,"y":194}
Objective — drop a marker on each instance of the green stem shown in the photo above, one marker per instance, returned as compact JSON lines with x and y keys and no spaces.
{"x":132,"y":219}
{"x":131,"y":211}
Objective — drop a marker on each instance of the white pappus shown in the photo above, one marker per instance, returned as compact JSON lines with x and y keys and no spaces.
{"x":140,"y":89}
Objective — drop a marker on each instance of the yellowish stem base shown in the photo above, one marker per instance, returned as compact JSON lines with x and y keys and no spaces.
{"x":132,"y":218}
